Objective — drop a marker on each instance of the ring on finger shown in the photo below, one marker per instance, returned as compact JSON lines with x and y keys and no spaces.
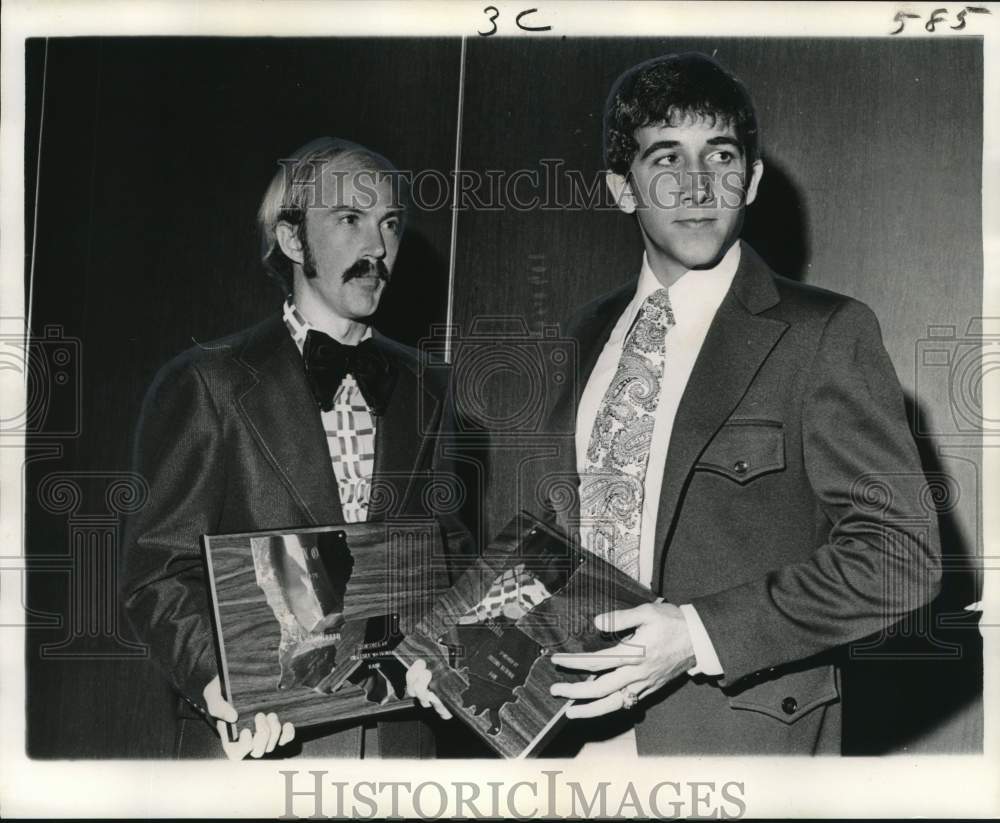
{"x":629,"y":698}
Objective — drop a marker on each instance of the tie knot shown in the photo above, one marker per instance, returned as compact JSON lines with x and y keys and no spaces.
{"x":652,"y":324}
{"x":658,"y":305}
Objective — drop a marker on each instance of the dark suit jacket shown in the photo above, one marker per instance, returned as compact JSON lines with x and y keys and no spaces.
{"x":794,"y":514}
{"x":231,"y":440}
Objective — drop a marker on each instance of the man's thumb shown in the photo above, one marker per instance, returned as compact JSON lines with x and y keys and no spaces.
{"x":224,"y":711}
{"x":216,"y":705}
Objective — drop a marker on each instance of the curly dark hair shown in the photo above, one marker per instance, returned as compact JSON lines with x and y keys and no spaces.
{"x":668,"y":88}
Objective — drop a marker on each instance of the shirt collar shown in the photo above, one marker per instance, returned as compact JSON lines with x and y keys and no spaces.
{"x":298,"y":326}
{"x":694,"y":297}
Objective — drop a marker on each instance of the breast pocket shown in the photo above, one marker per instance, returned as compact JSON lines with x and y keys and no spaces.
{"x":743,"y":450}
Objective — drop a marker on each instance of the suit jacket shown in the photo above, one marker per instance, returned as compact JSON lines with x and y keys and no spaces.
{"x":794,"y":513}
{"x":230,"y":440}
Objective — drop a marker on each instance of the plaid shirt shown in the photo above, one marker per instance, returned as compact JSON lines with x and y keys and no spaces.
{"x":350,"y":432}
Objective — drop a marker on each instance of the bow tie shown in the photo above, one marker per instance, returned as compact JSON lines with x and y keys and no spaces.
{"x":328,"y":361}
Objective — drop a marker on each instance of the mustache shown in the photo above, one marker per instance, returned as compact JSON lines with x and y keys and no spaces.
{"x":365,"y":267}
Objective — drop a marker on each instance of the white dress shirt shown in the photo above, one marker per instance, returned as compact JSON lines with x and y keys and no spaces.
{"x":352,"y":453}
{"x":694,"y":299}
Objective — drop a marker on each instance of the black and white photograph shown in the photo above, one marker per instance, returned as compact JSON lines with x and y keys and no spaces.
{"x":711,"y":289}
{"x":304,"y":580}
{"x":304,"y":623}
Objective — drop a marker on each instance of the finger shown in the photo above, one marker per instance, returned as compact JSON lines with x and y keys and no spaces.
{"x":623,"y":654}
{"x":216,"y":704}
{"x":243,"y":744}
{"x":239,"y":748}
{"x":225,"y":711}
{"x":260,"y":735}
{"x":418,"y":682}
{"x":223,"y":730}
{"x":439,"y":707}
{"x":212,"y":690}
{"x":623,"y":618}
{"x":606,"y":705}
{"x":287,"y":734}
{"x":274,"y":731}
{"x":599,"y":686}
{"x":417,"y":673}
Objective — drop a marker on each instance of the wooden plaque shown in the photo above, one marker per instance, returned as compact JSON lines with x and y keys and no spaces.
{"x":306,"y":619}
{"x":488,"y":640}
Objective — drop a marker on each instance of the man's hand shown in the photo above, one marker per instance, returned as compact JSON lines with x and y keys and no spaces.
{"x":658,"y":651}
{"x":268,"y":733}
{"x":418,"y":685}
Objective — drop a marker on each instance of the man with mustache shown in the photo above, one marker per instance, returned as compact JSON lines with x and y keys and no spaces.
{"x":287,"y":424}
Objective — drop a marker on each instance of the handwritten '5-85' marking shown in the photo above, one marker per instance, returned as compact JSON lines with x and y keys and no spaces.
{"x":938,"y":16}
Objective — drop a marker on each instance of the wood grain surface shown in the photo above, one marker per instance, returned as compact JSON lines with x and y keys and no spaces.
{"x":562,"y":623}
{"x":398,"y":569}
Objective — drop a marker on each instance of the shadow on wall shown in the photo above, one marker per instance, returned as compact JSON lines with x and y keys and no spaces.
{"x":418,"y":291}
{"x":918,"y":693}
{"x":777,"y":223}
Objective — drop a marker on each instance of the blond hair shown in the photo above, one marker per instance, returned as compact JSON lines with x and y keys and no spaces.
{"x":293,"y":188}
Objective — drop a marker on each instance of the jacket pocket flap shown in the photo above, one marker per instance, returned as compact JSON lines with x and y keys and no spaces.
{"x":743,"y":450}
{"x":789,"y":697}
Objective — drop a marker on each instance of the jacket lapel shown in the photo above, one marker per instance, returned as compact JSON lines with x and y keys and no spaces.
{"x":280,"y":410}
{"x":402,"y":435}
{"x":737,"y":344}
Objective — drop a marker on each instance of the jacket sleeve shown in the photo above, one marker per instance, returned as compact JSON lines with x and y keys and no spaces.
{"x":178,"y":451}
{"x":881,"y":558}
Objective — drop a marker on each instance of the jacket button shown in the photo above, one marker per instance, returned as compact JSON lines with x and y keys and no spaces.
{"x":741,"y":466}
{"x":789,"y":705}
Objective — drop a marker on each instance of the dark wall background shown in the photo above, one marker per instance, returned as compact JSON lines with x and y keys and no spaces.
{"x":155,"y":154}
{"x":871,"y":187}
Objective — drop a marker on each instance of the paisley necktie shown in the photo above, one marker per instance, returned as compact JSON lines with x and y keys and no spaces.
{"x":613,"y":482}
